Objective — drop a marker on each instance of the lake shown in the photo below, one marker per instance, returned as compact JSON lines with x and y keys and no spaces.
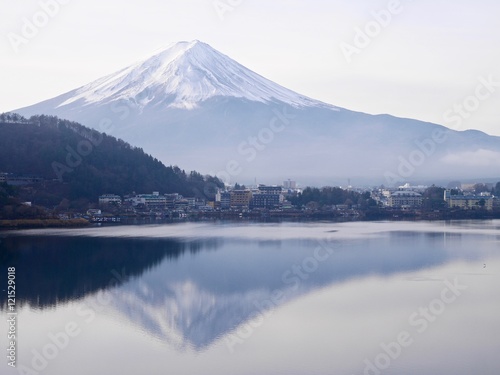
{"x":239,"y":298}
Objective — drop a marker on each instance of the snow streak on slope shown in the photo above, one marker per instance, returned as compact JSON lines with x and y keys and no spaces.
{"x":183,"y":75}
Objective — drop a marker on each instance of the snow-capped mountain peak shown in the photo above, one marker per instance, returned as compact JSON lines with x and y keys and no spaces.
{"x":192,"y":106}
{"x":182,"y":76}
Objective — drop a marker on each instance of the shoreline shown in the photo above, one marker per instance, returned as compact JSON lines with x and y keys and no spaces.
{"x":262,"y":217}
{"x":42,"y":223}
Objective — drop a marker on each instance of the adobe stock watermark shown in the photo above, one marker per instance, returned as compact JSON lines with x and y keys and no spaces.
{"x":416,"y":158}
{"x":120,"y":110}
{"x":419,"y":321}
{"x":365,"y":35}
{"x":464,"y":110}
{"x":250,"y":148}
{"x":455,"y":117}
{"x":291,"y":278}
{"x":31,"y":26}
{"x":75,"y":156}
{"x":60,"y":341}
{"x":221,"y":7}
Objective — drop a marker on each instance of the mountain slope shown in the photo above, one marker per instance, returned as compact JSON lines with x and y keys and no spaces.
{"x":182,"y":76}
{"x":193,"y":106}
{"x":78,"y":163}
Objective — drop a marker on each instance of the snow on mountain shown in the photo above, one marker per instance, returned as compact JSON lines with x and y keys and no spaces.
{"x":194,"y":107}
{"x":183,"y":75}
{"x":182,"y":303}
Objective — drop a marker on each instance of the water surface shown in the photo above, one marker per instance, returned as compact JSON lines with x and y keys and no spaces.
{"x":316,"y":298}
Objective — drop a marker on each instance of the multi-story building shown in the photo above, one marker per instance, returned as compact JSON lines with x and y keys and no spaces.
{"x":265,"y":201}
{"x":107,"y":199}
{"x":191,"y":202}
{"x":266,"y":189}
{"x":240,"y":198}
{"x":496,"y":202}
{"x":200,"y":202}
{"x":171,"y":199}
{"x":405,"y":198}
{"x":182,"y":204}
{"x":267,"y":197}
{"x":468,"y":202}
{"x":224,"y":198}
{"x":151,"y":201}
{"x":15,"y":180}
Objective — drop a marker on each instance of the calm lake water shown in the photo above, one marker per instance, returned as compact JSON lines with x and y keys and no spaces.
{"x":304,"y":299}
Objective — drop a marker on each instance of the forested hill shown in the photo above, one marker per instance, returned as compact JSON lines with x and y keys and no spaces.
{"x":81,"y":163}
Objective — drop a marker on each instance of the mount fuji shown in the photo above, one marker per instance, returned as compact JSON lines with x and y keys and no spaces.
{"x":195,"y":107}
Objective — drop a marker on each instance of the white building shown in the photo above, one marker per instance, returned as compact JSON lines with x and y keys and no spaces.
{"x":154,"y":200}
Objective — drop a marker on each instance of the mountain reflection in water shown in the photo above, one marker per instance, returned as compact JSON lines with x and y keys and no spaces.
{"x":190,"y":292}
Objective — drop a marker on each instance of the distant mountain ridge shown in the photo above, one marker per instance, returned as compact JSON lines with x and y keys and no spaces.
{"x":194,"y":106}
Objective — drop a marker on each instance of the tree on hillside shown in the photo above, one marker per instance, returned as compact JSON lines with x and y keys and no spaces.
{"x":79,"y":164}
{"x":7,"y":192}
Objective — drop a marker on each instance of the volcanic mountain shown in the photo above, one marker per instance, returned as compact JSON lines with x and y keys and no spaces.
{"x":193,"y":106}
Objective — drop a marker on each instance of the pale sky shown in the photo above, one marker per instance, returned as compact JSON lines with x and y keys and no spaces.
{"x":422,"y":60}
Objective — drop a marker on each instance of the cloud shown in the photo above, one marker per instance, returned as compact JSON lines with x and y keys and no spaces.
{"x":478,"y":158}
